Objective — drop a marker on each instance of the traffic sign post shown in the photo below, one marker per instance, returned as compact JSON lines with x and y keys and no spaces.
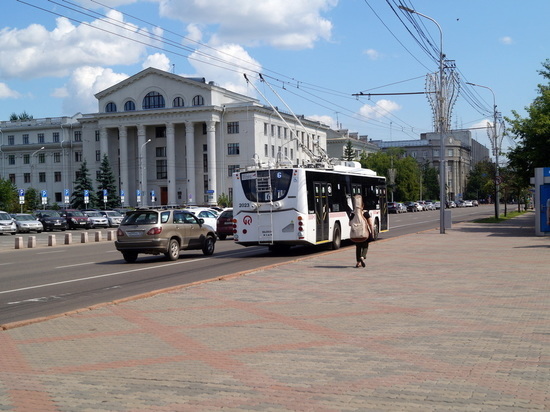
{"x":122,"y":198}
{"x":44,"y":195}
{"x":86,"y":197}
{"x":138,"y":195}
{"x":66,"y":196}
{"x":104,"y":198}
{"x":21,"y":198}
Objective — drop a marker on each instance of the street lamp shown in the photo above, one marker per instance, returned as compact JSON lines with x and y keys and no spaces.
{"x":496,"y":149}
{"x":141,"y":171}
{"x":32,"y":164}
{"x":441,"y":101}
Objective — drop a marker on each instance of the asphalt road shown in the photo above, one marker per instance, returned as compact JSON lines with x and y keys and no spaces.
{"x":47,"y":280}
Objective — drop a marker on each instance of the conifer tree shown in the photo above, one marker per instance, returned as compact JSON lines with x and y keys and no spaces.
{"x":82,"y":183}
{"x":106,"y":181}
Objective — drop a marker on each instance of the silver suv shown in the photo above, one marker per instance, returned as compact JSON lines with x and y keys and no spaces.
{"x":154,"y":231}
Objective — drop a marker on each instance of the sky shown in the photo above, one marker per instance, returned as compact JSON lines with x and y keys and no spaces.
{"x":352,"y":64}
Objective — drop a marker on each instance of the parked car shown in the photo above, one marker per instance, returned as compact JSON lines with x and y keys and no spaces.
{"x":27,"y":223}
{"x":7,"y":223}
{"x":413,"y":207}
{"x":437,"y":205}
{"x":429,"y":205}
{"x":396,"y":207}
{"x":76,"y":219}
{"x":113,"y":217}
{"x":224,"y":225}
{"x":156,"y":231}
{"x":210,"y":216}
{"x":467,"y":203}
{"x":51,"y":220}
{"x":97,"y":219}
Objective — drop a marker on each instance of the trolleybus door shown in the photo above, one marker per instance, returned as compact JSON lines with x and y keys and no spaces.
{"x":321,"y":210}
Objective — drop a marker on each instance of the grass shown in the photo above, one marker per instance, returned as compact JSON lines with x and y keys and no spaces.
{"x":501,"y":218}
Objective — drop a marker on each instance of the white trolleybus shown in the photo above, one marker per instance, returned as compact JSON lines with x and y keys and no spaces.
{"x":287,"y":206}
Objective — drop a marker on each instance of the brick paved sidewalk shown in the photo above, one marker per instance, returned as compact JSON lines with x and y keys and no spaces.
{"x":453,"y":322}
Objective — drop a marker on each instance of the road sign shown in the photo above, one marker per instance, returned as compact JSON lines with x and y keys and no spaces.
{"x":86,"y":197}
{"x":21,"y":192}
{"x":67,"y":194}
{"x":44,"y":194}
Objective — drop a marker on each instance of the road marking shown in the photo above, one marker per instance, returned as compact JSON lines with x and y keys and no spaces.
{"x":77,"y":264}
{"x":53,"y":251}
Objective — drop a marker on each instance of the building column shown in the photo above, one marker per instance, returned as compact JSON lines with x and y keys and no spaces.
{"x":142,"y":165}
{"x":171,"y":163}
{"x":190,"y":156}
{"x":123,"y":163}
{"x":103,"y":142}
{"x":211,"y":150}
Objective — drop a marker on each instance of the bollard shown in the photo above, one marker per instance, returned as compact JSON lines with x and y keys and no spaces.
{"x":51,"y":240}
{"x":111,"y":235}
{"x":98,"y":236}
{"x":84,"y":237}
{"x":31,"y":242}
{"x":68,"y":238}
{"x":19,"y":242}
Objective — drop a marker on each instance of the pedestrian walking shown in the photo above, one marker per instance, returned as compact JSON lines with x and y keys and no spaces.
{"x":362,"y":229}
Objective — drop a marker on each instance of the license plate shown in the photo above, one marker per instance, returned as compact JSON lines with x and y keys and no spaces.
{"x":133,"y":234}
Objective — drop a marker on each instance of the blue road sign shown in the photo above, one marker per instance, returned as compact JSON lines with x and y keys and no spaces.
{"x":44,"y":193}
{"x":86,"y":192}
{"x":21,"y":192}
{"x":67,"y":193}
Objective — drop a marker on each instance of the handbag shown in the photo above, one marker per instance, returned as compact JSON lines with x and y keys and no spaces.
{"x":360,"y":229}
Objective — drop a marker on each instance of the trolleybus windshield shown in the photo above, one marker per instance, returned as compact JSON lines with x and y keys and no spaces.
{"x":266,"y":185}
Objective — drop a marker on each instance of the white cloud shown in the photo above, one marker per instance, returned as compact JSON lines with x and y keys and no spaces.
{"x":6,"y":92}
{"x":506,"y":40}
{"x":285,"y":24}
{"x":324,"y":119}
{"x":381,"y":109}
{"x":83,"y":83}
{"x":158,"y":60}
{"x":235,"y":58}
{"x":373,"y":54}
{"x":35,"y":52}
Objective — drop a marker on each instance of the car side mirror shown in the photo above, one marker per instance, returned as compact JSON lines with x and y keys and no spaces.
{"x":201,"y":220}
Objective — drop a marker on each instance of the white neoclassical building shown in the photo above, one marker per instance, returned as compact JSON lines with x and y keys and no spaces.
{"x":169,"y":139}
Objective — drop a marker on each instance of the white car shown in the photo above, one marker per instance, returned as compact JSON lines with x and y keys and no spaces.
{"x":27,"y":223}
{"x":97,"y":219}
{"x":7,"y":224}
{"x":209,"y":215}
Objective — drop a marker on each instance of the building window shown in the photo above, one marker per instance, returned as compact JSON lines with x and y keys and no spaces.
{"x":232,"y":169}
{"x":162,"y":169}
{"x":153,"y":100}
{"x":233,"y":149}
{"x":98,"y":155}
{"x":41,"y":157}
{"x":11,"y":140}
{"x":55,"y":137}
{"x":97,"y":136}
{"x":42,"y":177}
{"x":266,"y":152}
{"x":451,"y":152}
{"x":78,"y":156}
{"x":272,"y":130}
{"x":232,"y":127}
{"x":27,"y":177}
{"x":291,"y":154}
{"x":77,"y":175}
{"x":57,"y":197}
{"x":160,"y":132}
{"x":12,"y":178}
{"x":265,"y":129}
{"x":198,"y":100}
{"x":204,"y":128}
{"x":78,"y":136}
{"x":205,"y":163}
{"x":110,"y":108}
{"x":25,"y":139}
{"x":57,"y":176}
{"x":129,"y":106}
{"x":57,"y":157}
{"x":40,"y":137}
{"x":161,"y":151}
{"x":178,"y":102}
{"x":26,"y":159}
{"x":436,"y":153}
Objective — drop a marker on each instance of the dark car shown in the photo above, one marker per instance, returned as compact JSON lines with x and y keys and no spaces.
{"x":156,"y":231}
{"x":76,"y":219}
{"x":51,"y":220}
{"x":225,"y":225}
{"x":396,"y":207}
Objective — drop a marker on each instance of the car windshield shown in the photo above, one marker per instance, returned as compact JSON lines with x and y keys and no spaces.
{"x":93,"y":214}
{"x":5,"y":216}
{"x":51,"y":214}
{"x":76,"y":213}
{"x":23,"y":218}
{"x":113,"y":214}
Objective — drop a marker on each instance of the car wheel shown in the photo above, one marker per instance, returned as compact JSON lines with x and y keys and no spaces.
{"x":173,"y":250}
{"x":222,"y":237}
{"x":208,"y":246}
{"x":336,"y":238}
{"x":130,"y":257}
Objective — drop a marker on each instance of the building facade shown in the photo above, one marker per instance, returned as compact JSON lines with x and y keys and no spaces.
{"x":170,"y":140}
{"x":337,"y":141}
{"x":462,"y":153}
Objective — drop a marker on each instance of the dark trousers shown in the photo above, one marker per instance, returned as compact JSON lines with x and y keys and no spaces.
{"x":361,"y":250}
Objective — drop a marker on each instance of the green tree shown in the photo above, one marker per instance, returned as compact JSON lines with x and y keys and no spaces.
{"x":106,"y":181}
{"x":480,"y":182}
{"x":430,"y":182}
{"x":349,"y":153}
{"x":9,"y":199}
{"x":223,"y":200}
{"x":14,"y":117}
{"x":82,"y":183}
{"x":532,"y":133}
{"x":32,"y":200}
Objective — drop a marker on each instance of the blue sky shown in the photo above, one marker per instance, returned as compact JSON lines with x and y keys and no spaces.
{"x":315,"y":53}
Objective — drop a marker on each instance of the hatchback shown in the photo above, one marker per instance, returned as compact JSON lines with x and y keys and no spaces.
{"x":156,"y":231}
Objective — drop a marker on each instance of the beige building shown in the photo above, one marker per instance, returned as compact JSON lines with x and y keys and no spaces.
{"x":169,"y":139}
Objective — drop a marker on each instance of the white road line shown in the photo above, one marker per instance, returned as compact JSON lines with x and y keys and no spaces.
{"x":78,"y":264}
